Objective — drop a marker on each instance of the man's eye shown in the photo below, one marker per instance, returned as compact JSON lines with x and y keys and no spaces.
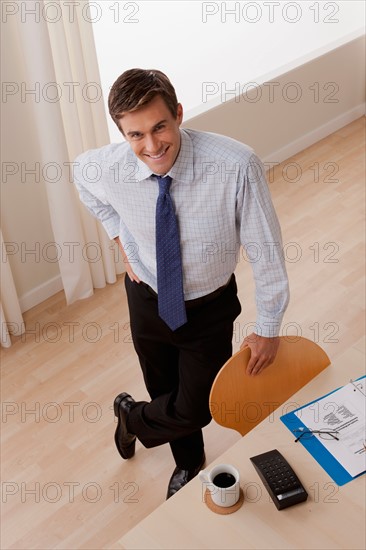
{"x":160,"y":127}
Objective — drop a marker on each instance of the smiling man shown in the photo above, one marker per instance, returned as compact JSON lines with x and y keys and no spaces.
{"x":186,"y":201}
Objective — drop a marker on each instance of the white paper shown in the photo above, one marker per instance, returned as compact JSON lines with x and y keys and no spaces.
{"x":344,"y":411}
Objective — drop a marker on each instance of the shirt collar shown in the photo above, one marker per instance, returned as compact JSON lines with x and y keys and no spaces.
{"x":182,"y":169}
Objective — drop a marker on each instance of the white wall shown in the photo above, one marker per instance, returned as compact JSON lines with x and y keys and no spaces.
{"x":210,"y":48}
{"x":296,"y":109}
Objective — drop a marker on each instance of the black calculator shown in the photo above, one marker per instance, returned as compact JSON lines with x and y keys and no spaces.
{"x":279,"y":479}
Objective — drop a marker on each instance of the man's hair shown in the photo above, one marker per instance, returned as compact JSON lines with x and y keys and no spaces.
{"x":136,"y":88}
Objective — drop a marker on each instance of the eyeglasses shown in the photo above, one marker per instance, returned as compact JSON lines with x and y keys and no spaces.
{"x":324,"y":434}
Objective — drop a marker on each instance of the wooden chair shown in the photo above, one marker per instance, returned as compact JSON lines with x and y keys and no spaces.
{"x":240,"y":401}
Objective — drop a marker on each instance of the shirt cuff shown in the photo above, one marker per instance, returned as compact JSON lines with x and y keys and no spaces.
{"x":268,"y":327}
{"x":111,"y":225}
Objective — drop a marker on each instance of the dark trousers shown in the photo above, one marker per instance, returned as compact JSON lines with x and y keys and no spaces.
{"x":179,"y":368}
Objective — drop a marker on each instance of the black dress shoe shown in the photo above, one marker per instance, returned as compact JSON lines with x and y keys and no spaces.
{"x":180,"y":478}
{"x":125,"y":442}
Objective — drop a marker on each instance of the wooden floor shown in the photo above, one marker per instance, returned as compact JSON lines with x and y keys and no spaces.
{"x":63,"y":483}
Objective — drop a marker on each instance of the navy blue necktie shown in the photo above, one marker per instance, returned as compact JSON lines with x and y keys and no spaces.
{"x":168,"y":259}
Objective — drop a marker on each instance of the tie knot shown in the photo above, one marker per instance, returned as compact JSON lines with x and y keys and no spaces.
{"x":164,"y":184}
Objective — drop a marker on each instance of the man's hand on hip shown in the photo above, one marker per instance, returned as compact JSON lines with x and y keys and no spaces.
{"x":262,"y":352}
{"x":129,"y":270}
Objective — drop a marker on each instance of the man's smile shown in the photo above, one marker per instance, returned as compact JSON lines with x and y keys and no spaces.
{"x":158,"y":156}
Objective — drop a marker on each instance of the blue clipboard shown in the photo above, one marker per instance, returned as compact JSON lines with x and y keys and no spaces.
{"x":326,"y":460}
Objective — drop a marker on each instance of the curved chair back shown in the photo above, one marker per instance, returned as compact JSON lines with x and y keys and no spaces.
{"x":240,"y":401}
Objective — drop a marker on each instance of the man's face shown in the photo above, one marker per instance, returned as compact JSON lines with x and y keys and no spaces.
{"x":153,"y":134}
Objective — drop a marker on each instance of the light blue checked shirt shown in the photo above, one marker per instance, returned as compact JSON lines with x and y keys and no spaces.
{"x":222,"y":201}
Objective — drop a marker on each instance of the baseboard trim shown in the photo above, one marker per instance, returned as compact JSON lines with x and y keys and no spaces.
{"x":316,"y":135}
{"x":40,"y":293}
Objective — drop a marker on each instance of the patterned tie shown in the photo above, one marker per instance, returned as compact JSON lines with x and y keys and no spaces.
{"x":168,"y":259}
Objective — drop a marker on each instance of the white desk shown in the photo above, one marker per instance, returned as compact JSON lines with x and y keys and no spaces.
{"x":333,"y":517}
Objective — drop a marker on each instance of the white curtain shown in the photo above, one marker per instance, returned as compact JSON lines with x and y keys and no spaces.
{"x":61,"y":56}
{"x":10,"y":314}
